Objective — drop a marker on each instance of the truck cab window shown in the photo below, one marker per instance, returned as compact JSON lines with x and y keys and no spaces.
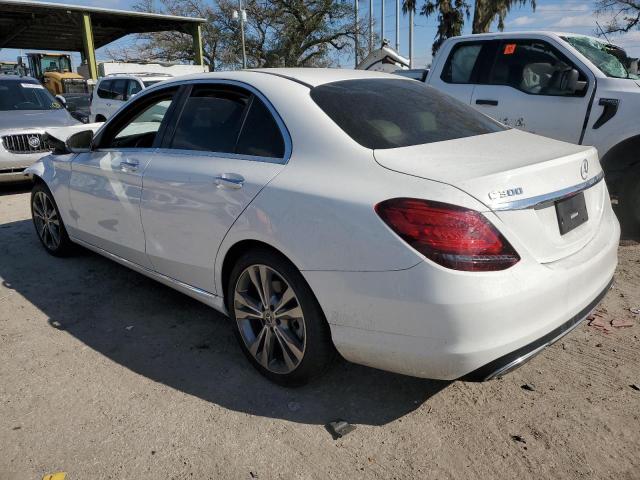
{"x":536,"y":68}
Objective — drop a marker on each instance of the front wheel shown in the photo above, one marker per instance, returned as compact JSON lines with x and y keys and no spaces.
{"x":47,"y":221}
{"x":279,"y":323}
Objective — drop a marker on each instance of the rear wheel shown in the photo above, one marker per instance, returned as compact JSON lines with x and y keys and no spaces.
{"x":279,"y":323}
{"x":48,"y":223}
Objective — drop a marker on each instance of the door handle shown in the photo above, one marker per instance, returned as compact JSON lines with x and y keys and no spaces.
{"x":129,"y":165}
{"x":229,"y":180}
{"x":493,"y":103}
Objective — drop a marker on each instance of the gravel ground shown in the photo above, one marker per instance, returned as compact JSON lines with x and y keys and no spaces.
{"x":107,"y":374}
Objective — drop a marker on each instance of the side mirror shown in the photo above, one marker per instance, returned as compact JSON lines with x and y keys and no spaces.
{"x":80,"y":142}
{"x":62,"y":100}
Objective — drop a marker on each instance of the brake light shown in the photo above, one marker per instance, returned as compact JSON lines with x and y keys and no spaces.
{"x":454,"y":237}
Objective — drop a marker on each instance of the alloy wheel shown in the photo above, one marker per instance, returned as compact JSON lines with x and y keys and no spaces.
{"x":270,"y":319}
{"x":46,"y":219}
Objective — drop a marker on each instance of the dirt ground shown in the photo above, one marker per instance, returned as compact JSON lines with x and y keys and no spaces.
{"x":107,"y":374}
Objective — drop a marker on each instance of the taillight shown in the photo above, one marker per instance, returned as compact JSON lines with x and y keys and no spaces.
{"x":451,"y":236}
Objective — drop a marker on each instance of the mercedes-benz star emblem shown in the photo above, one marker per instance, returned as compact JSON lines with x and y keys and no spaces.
{"x":34,"y":142}
{"x":584,"y":169}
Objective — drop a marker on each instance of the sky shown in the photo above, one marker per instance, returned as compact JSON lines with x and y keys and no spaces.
{"x":575,"y":16}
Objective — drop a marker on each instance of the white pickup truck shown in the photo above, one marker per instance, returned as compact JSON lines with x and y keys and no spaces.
{"x":562,"y":85}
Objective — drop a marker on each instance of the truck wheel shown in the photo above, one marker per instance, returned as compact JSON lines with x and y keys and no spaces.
{"x":631,"y":202}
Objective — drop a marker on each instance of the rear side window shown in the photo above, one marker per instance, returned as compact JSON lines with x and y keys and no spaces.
{"x":104,"y":89}
{"x":390,"y":113}
{"x":461,"y":63}
{"x":211,"y":120}
{"x":536,"y":68}
{"x":260,"y":133}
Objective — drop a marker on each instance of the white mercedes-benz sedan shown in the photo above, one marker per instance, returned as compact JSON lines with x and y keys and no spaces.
{"x":341,"y":210}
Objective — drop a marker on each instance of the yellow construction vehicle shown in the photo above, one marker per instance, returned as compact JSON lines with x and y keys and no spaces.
{"x":54,"y":72}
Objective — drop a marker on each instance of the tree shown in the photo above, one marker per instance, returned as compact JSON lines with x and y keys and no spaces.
{"x":625,"y":14}
{"x":486,"y":12}
{"x":452,"y":14}
{"x":278,"y":33}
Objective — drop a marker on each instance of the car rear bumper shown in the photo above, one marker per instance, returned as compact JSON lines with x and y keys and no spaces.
{"x":431,"y":322}
{"x":515,"y":359}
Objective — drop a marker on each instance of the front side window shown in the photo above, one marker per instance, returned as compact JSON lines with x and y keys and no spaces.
{"x":461,"y":63}
{"x":25,"y":95}
{"x":390,"y":113}
{"x":138,"y":125}
{"x":536,"y":68}
{"x":119,"y":89}
{"x":133,"y":87}
{"x":211,"y":120}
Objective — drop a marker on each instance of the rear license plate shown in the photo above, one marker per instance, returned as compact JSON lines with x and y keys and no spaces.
{"x":572,"y":212}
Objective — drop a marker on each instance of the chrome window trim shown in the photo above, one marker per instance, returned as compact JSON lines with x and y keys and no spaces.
{"x":546,"y":200}
{"x":208,"y":153}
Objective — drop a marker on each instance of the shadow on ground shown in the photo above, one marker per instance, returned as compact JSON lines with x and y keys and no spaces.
{"x":15,"y":187}
{"x":170,"y":338}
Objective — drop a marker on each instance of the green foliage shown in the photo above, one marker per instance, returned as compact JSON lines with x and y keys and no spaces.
{"x":453,"y":13}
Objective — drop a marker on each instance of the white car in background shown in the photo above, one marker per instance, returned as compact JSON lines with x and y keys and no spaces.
{"x":342,"y":209}
{"x":111,"y":92}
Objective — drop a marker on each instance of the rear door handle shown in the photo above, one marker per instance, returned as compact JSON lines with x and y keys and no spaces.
{"x":129,"y":165}
{"x":493,"y":103}
{"x":229,"y":180}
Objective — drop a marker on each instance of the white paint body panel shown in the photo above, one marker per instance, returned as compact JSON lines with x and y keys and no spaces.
{"x":387,"y":305}
{"x":186,"y":214}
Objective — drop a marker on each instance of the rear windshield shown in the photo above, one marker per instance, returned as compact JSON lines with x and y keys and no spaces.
{"x":390,"y":113}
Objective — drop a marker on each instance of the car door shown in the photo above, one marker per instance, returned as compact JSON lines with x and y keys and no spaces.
{"x":226,"y":145}
{"x":529,"y":87}
{"x":101,"y":98}
{"x":106,"y":183}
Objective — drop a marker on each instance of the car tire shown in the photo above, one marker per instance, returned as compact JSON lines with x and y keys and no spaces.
{"x":631,"y":202}
{"x":48,"y":222}
{"x":288,"y":340}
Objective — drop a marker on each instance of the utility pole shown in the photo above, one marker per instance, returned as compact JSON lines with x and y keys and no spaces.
{"x":357,"y":13}
{"x":370,"y":25}
{"x":243,"y":18}
{"x":381,"y":22}
{"x":411,"y":38}
{"x":398,"y":26}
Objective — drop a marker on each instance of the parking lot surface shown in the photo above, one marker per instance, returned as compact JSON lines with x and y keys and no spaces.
{"x":106,"y":374}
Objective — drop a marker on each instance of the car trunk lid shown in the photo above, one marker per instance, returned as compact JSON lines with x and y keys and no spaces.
{"x":520,"y":177}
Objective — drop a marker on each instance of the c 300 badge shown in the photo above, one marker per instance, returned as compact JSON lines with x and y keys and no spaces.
{"x":510,"y":192}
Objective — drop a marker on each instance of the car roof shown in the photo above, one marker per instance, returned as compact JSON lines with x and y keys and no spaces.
{"x":522,"y":33}
{"x":141,"y":76}
{"x":310,"y":77}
